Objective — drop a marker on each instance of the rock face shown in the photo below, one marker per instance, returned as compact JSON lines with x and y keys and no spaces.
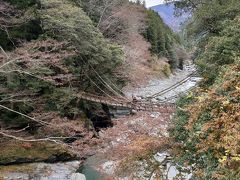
{"x":116,"y":112}
{"x":77,"y":176}
{"x":100,"y":117}
{"x":161,"y":157}
{"x":14,"y":152}
{"x":44,"y":171}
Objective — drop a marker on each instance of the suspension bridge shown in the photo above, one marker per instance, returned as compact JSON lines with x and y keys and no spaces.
{"x":112,"y":95}
{"x":135,"y":105}
{"x":118,"y":100}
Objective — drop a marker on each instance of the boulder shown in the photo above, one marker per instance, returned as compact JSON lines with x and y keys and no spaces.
{"x":133,"y":112}
{"x":77,"y":176}
{"x":15,"y":152}
{"x":161,"y":157}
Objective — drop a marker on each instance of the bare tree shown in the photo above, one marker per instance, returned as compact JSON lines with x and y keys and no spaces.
{"x":9,"y":65}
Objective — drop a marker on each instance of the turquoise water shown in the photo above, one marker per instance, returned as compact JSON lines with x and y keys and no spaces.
{"x":89,"y":172}
{"x":88,"y":167}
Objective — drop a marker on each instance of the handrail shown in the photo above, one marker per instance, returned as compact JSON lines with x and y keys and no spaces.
{"x":137,"y":105}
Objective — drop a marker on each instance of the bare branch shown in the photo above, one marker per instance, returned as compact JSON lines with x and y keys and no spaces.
{"x":18,"y":131}
{"x":52,"y":139}
{"x":4,"y":52}
{"x":26,"y":116}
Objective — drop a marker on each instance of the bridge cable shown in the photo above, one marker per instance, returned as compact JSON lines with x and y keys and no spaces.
{"x":116,"y":87}
{"x":170,"y":88}
{"x":174,"y":86}
{"x":106,"y":84}
{"x":101,"y":89}
{"x":176,"y":96}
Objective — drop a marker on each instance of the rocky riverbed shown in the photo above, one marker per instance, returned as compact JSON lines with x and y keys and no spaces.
{"x":41,"y":171}
{"x":158,"y":85}
{"x":136,"y":147}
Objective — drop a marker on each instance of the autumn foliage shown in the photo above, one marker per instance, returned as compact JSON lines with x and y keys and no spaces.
{"x":208,"y":127}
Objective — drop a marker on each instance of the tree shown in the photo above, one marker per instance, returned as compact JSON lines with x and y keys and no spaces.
{"x":49,"y":71}
{"x":161,"y":37}
{"x":207,"y":23}
{"x":207,"y":119}
{"x":99,"y":11}
{"x":90,"y":44}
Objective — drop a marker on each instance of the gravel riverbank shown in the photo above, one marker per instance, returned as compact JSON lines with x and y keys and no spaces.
{"x":133,"y":136}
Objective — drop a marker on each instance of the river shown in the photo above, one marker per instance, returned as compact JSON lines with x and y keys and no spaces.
{"x":130,"y":136}
{"x":131,"y":130}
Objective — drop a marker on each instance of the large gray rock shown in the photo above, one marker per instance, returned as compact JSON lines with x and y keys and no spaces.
{"x":45,"y":171}
{"x":16,"y":176}
{"x":161,"y":157}
{"x":77,"y":176}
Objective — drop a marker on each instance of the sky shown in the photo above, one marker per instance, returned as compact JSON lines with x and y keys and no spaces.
{"x":150,"y":3}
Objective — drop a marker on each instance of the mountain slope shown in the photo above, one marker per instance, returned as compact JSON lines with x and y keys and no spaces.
{"x":166,"y":11}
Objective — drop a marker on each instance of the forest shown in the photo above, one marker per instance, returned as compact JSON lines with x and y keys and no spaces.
{"x":207,"y":124}
{"x":53,"y":53}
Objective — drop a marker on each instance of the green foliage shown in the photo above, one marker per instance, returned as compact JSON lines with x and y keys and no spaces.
{"x":19,"y":25}
{"x":220,"y":50}
{"x":161,"y":37}
{"x":97,"y":9}
{"x":91,"y":10}
{"x":206,"y":126}
{"x":208,"y":18}
{"x":67,"y":44}
{"x":215,"y":29}
{"x":68,"y":22}
{"x":181,"y":120}
{"x":22,"y":4}
{"x":12,"y":118}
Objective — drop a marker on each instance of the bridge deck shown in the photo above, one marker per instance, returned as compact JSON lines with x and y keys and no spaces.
{"x":138,"y":105}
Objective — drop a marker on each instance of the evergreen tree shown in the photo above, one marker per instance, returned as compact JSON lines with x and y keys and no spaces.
{"x":161,"y":37}
{"x":207,"y":126}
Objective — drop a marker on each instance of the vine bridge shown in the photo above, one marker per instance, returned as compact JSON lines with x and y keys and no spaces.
{"x":135,"y":105}
{"x":119,"y":100}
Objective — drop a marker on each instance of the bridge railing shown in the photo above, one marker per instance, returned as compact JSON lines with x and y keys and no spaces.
{"x":136,"y":105}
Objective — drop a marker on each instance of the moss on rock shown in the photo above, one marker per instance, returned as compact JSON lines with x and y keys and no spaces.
{"x":15,"y":152}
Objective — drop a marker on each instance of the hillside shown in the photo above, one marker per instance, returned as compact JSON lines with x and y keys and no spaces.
{"x":131,"y":26}
{"x":52,"y":53}
{"x":167,"y":12}
{"x":104,"y":89}
{"x":206,"y":127}
{"x":47,"y":59}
